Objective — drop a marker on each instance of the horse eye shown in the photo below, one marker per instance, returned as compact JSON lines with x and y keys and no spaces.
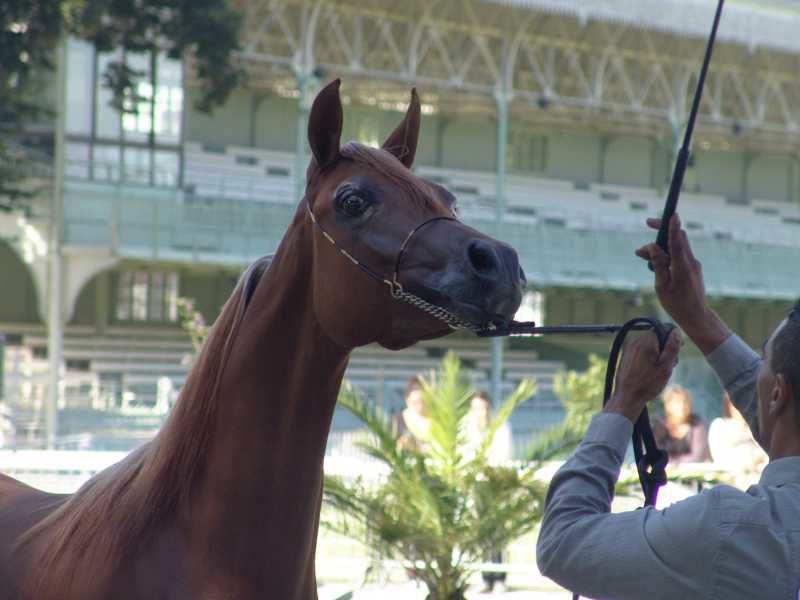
{"x":352,"y":204}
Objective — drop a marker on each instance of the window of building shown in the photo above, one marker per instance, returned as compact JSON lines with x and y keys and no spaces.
{"x":140,"y":145}
{"x":147,"y":296}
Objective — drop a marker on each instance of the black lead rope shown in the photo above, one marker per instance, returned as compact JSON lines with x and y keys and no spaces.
{"x":651,"y":461}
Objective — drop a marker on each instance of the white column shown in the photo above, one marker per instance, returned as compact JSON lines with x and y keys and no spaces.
{"x":55,"y":326}
{"x":502,"y":100}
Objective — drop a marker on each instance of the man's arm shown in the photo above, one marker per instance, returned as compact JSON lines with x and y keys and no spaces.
{"x":592,"y":552}
{"x":643,"y":553}
{"x":681,"y":290}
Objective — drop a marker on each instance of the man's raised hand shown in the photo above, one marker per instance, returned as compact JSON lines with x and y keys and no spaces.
{"x":681,"y":289}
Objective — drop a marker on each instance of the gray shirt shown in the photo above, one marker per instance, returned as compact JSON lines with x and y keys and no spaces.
{"x":722,"y":544}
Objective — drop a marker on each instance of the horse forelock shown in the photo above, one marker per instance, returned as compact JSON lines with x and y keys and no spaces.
{"x":386,"y":164}
{"x":117,"y":510}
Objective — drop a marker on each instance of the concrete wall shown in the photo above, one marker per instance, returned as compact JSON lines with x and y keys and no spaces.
{"x":208,"y":288}
{"x":18,"y":300}
{"x":228,"y":125}
{"x":753,"y":320}
{"x":574,"y":156}
{"x":628,"y":161}
{"x":771,"y":177}
{"x":718,"y":173}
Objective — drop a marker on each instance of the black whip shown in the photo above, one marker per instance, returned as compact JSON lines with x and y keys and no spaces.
{"x":682,"y":160}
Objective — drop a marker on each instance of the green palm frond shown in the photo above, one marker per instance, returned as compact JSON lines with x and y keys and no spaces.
{"x":441,"y":505}
{"x":447,"y":400}
{"x":553,"y":443}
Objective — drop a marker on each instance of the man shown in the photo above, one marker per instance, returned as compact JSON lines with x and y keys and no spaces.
{"x":723,"y":543}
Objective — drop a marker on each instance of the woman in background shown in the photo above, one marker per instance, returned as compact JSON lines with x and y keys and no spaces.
{"x":680,"y":432}
{"x":499,"y":452}
{"x":412,"y":423}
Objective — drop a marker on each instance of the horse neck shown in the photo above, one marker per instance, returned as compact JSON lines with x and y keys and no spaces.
{"x":276,"y":398}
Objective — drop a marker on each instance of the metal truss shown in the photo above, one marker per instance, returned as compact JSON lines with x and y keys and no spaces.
{"x":468,"y":54}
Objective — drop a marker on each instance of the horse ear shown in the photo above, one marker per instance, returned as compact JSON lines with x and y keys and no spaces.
{"x":403,"y":140}
{"x":325,"y":124}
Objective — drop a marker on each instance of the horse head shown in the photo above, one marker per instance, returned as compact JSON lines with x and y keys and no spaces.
{"x":379,"y":229}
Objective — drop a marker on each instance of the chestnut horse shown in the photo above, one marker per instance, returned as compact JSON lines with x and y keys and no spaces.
{"x":224,"y":502}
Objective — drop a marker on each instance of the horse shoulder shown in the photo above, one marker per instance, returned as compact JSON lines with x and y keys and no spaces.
{"x":21,"y":507}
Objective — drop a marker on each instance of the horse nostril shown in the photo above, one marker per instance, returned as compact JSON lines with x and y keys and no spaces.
{"x":482,"y":257}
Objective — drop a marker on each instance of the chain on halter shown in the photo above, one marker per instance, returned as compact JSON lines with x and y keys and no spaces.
{"x":395,"y":287}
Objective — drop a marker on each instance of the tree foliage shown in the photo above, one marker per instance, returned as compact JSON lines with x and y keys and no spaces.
{"x":208,"y":29}
{"x":581,"y":393}
{"x":440,"y":507}
{"x":205,"y":30}
{"x":28,"y":33}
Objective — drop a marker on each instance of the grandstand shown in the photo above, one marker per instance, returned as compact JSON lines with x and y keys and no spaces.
{"x":588,"y":100}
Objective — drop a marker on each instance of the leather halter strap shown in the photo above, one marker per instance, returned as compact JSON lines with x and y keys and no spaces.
{"x":406,"y":241}
{"x":376,"y":276}
{"x":394,"y":284}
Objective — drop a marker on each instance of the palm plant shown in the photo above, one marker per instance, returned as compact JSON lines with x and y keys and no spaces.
{"x":441,"y":507}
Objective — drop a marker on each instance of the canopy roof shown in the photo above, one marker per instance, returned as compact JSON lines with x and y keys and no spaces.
{"x":773,"y":24}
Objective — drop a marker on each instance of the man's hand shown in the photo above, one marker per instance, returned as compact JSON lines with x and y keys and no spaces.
{"x":643,"y":373}
{"x":680,"y":287}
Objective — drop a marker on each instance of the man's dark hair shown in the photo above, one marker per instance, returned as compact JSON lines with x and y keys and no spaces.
{"x":786,"y":353}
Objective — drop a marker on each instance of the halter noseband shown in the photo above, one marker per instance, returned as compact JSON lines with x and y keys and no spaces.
{"x":395,"y":287}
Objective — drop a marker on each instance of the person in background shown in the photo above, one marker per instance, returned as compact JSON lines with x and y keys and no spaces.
{"x":731,"y":443}
{"x":681,"y":432}
{"x":412,"y":424}
{"x":499,"y":452}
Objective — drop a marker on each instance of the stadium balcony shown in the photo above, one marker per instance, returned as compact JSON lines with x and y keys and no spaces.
{"x":236,"y":203}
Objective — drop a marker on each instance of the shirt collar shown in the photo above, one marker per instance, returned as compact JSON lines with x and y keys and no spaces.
{"x":781,"y":471}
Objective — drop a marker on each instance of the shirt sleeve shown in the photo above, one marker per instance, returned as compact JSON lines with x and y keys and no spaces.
{"x":736,"y":366}
{"x":588,"y":550}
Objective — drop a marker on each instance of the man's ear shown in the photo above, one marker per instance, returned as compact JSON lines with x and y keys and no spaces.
{"x":325,"y":125}
{"x":782,"y":396}
{"x":402,"y":142}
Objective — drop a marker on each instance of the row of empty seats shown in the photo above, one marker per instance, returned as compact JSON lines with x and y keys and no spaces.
{"x":134,"y":379}
{"x":268,"y":176}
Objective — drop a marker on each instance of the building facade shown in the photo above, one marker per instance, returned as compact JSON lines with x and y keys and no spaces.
{"x":554,"y":127}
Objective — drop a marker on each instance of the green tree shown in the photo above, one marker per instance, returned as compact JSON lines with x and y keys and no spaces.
{"x":192,"y":322}
{"x":30,"y":30}
{"x":581,"y":393}
{"x":440,"y":507}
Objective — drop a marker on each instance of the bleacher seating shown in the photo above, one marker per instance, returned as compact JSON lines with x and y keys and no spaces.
{"x":248,"y":193}
{"x":239,"y":173}
{"x":120,"y":378}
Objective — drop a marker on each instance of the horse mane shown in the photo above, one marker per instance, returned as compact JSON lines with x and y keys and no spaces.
{"x":116,"y":510}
